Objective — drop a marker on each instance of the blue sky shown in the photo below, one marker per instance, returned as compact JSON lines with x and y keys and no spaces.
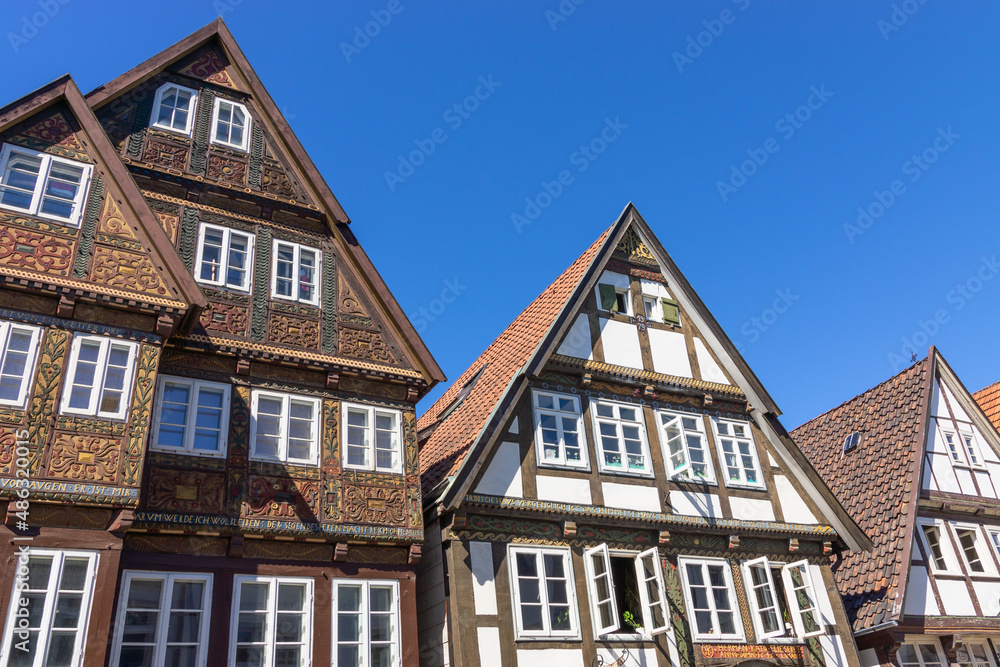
{"x":893,"y":109}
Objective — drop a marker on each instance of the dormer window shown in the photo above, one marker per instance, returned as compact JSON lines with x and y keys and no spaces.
{"x":851,"y":441}
{"x":43,"y":185}
{"x":173,"y":108}
{"x":230,"y":124}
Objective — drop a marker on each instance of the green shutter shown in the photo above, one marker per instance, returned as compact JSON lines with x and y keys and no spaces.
{"x":671,"y":312}
{"x":608,"y":300}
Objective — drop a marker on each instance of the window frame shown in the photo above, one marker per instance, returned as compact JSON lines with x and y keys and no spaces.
{"x":646,"y":605}
{"x":756,"y":611}
{"x":599,"y":445}
{"x":160,"y":636}
{"x":723,"y":465}
{"x":915,"y":642}
{"x":371,"y":411}
{"x":538,"y":552}
{"x":963,"y":447}
{"x":796,"y":610}
{"x":216,"y":105}
{"x":947,"y":553}
{"x":296,"y":267}
{"x":985,"y":559}
{"x":562,"y":461}
{"x":158,"y":101}
{"x":44,"y":173}
{"x":282,"y":453}
{"x":272,"y":611}
{"x":227,"y":235}
{"x":681,"y":474}
{"x":740,"y":634}
{"x":98,"y":388}
{"x":7,"y":327}
{"x":365,"y":613}
{"x":189,"y":428}
{"x":972,"y":661}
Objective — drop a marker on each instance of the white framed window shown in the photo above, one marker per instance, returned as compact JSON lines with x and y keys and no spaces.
{"x":613,"y":293}
{"x":163,"y":619}
{"x":963,"y":447}
{"x":974,"y":653}
{"x":657,"y":305}
{"x":230,"y":124}
{"x":372,"y":438}
{"x":99,"y":377}
{"x":271,"y":622}
{"x":43,"y":185}
{"x":192,"y":416}
{"x":559,"y":430}
{"x":544,"y":592}
{"x":935,"y":540}
{"x":284,"y":427}
{"x":295,"y":273}
{"x":225,"y":257}
{"x":57,"y":597}
{"x":366,"y":623}
{"x":18,"y":351}
{"x":621,"y":437}
{"x":174,"y":108}
{"x":627,"y":593}
{"x":922,"y":653}
{"x":767,"y":610}
{"x":994,"y":534}
{"x":970,"y":543}
{"x":802,"y":599}
{"x":711,"y":599}
{"x":685,"y":447}
{"x":737,"y":453}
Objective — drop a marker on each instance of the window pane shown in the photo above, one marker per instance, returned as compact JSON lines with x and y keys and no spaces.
{"x":184,"y":627}
{"x":144,"y":594}
{"x":253,"y":596}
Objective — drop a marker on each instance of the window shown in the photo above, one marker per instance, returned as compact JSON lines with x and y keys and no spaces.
{"x":43,"y":185}
{"x":851,"y":441}
{"x":710,"y":596}
{"x":802,"y":599}
{"x":225,"y":257}
{"x":162,"y":619}
{"x":559,"y":430}
{"x":683,"y":441}
{"x":738,"y":454}
{"x":544,"y":599}
{"x":921,"y":654}
{"x":627,"y":594}
{"x":192,"y":416}
{"x":230,"y":124}
{"x":372,"y":439}
{"x":366,"y":623}
{"x":174,"y":108}
{"x":656,"y":304}
{"x":973,"y":654}
{"x":615,"y":299}
{"x":935,"y":552}
{"x":295,"y":273}
{"x":272,"y":622}
{"x":622,"y":436}
{"x":99,"y":379}
{"x":57,"y":597}
{"x":963,"y":448}
{"x":18,"y":347}
{"x":995,"y":538}
{"x":969,"y":543}
{"x":284,"y":428}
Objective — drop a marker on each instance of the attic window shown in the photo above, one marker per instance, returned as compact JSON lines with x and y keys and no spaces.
{"x":43,"y":185}
{"x":851,"y":441}
{"x":173,"y":108}
{"x":613,"y":293}
{"x":230,"y":124}
{"x":465,"y":391}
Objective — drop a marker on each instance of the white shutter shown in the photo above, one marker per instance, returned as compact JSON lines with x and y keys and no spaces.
{"x":603,"y":606}
{"x":763,"y":597}
{"x":802,"y":599}
{"x":652,"y":591}
{"x":678,"y":456}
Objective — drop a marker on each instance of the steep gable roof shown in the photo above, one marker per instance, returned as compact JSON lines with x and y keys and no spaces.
{"x":988,"y":399}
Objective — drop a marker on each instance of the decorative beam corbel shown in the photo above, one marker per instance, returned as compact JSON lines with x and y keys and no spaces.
{"x":340,"y":552}
{"x":793,"y":545}
{"x":236,"y":544}
{"x":734,"y":541}
{"x":122,"y":521}
{"x":569,"y":529}
{"x":416,"y":551}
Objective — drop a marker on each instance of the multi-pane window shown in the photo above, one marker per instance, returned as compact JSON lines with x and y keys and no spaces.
{"x":544,"y":599}
{"x":962,"y":447}
{"x":684,"y":444}
{"x":174,"y":108}
{"x":622,"y":437}
{"x":295,"y":273}
{"x":192,"y":416}
{"x":372,"y":439}
{"x":225,"y":257}
{"x":43,"y":185}
{"x":272,"y":622}
{"x":920,"y":654}
{"x":18,"y":348}
{"x":559,"y":430}
{"x":366,"y":623}
{"x":968,"y":542}
{"x":99,"y":377}
{"x":973,"y":654}
{"x":163,"y":620}
{"x":230,"y":124}
{"x":737,"y":452}
{"x":627,"y":593}
{"x":932,"y":540}
{"x":995,"y":539}
{"x":711,"y":599}
{"x":802,"y":598}
{"x":614,"y":299}
{"x":55,"y":604}
{"x":284,"y":427}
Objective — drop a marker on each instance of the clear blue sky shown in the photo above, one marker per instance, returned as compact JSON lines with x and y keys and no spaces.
{"x":888,"y":92}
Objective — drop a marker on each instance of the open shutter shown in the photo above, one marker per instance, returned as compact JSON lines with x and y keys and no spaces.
{"x":649,"y":574}
{"x":802,"y":599}
{"x":603,"y":606}
{"x":677,"y":451}
{"x":609,"y":300}
{"x":671,"y":312}
{"x":763,"y":598}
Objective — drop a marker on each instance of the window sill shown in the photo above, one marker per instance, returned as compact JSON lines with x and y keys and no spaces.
{"x":288,"y":299}
{"x":626,"y":637}
{"x":71,"y":414}
{"x":746,"y":487}
{"x":292,"y":464}
{"x":730,"y":639}
{"x":548,"y":465}
{"x":75,"y":224}
{"x":220,"y":286}
{"x":548,"y":638}
{"x":182,"y":452}
{"x":371,"y":470}
{"x":171,"y":130}
{"x":625,"y":473}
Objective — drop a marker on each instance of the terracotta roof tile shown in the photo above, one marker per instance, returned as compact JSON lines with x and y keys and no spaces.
{"x":989,"y":400}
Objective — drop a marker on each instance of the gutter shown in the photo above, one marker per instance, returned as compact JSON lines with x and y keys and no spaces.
{"x":876,"y":628}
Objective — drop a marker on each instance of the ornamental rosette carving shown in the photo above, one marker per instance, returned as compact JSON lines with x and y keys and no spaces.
{"x":364,"y":344}
{"x":126,"y":270}
{"x":165,"y":155}
{"x":225,"y":170}
{"x":187,"y":491}
{"x":85,"y":458}
{"x":373,"y":504}
{"x":287,"y":330}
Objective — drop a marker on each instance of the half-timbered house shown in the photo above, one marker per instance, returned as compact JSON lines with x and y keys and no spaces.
{"x":917,"y":464}
{"x":608,"y":483}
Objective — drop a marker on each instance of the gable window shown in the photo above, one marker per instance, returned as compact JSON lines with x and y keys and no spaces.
{"x":685,"y":451}
{"x":173,"y":108}
{"x":192,"y":416}
{"x":372,"y":439}
{"x":99,"y":377}
{"x":366,"y":623}
{"x":932,"y":539}
{"x":284,"y":428}
{"x":710,"y":597}
{"x":622,"y":438}
{"x":295,"y":273}
{"x":543,"y":589}
{"x":921,"y":654}
{"x":739,"y":456}
{"x":18,"y":349}
{"x":627,"y":593}
{"x":963,"y":448}
{"x":56,"y":596}
{"x":224,"y":257}
{"x":613,"y":293}
{"x":559,"y":430}
{"x":230,"y":124}
{"x":162,"y":619}
{"x":272,"y":621}
{"x":43,"y":185}
{"x":970,"y":545}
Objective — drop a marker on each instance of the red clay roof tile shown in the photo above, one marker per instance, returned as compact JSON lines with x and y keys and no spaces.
{"x":989,"y":400}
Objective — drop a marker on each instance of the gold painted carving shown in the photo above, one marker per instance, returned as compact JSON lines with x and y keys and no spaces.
{"x":85,"y":458}
{"x":112,"y":221}
{"x":126,"y":270}
{"x":35,"y":251}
